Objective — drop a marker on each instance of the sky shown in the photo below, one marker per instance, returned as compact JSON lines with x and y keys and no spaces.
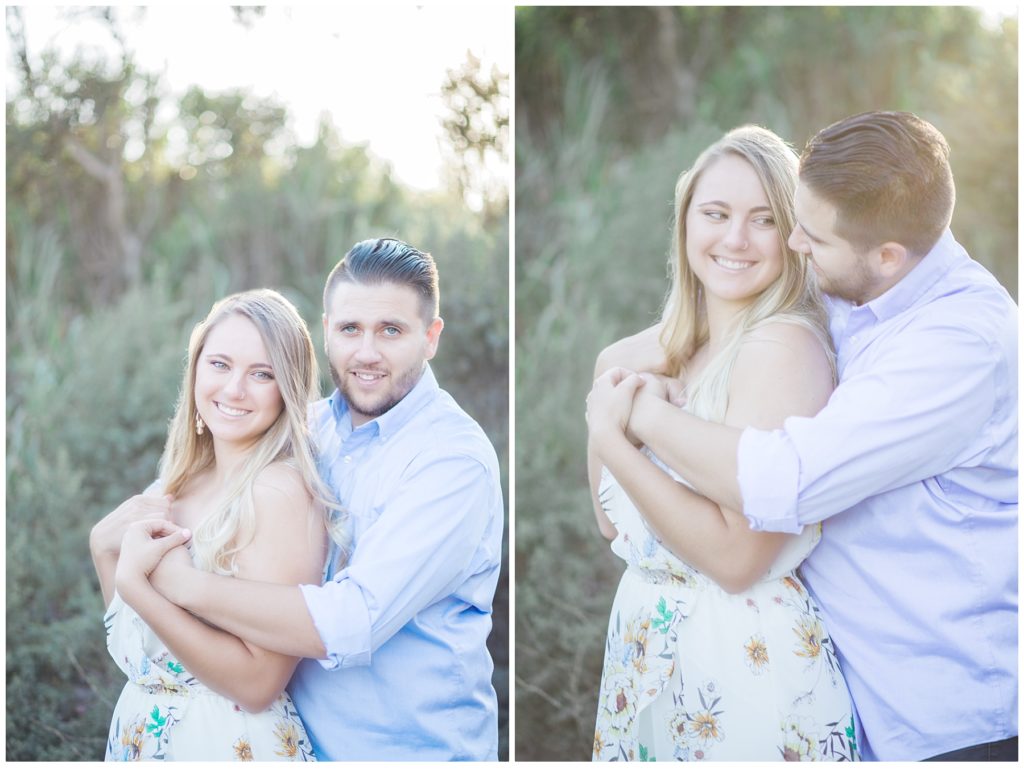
{"x":376,"y":69}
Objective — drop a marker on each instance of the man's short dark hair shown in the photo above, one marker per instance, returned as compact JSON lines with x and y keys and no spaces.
{"x":888,"y":176}
{"x":389,"y":261}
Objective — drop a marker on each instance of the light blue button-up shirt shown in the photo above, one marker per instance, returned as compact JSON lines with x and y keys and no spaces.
{"x":914,"y":463}
{"x":405,"y":621}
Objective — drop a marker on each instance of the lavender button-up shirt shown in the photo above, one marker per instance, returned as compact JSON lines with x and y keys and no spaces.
{"x":914,"y":464}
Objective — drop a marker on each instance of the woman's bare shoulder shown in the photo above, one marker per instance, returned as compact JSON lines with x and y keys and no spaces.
{"x":638,"y":352}
{"x":280,"y":478}
{"x":782,"y":369}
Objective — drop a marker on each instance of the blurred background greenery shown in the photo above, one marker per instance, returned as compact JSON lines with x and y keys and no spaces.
{"x":116,"y":247}
{"x":611,"y":105}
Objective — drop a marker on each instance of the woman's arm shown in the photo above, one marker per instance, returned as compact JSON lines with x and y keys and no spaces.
{"x":781,"y":372}
{"x":106,"y":536}
{"x":639,"y":352}
{"x":288,"y":548}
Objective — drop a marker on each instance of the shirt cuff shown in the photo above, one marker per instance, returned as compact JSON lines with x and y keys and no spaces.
{"x":341,"y":618}
{"x":768,"y":472}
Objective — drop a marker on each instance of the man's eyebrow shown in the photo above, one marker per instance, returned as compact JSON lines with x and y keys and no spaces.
{"x":810,"y":235}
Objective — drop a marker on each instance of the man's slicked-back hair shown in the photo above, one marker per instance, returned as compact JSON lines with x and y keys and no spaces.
{"x":389,"y":261}
{"x":888,"y":176}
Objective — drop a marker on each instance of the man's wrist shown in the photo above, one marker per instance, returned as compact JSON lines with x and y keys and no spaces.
{"x":170,"y":580}
{"x":644,"y":408}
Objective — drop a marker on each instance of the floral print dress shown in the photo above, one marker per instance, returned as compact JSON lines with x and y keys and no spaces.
{"x":694,"y":673}
{"x":165,"y":713}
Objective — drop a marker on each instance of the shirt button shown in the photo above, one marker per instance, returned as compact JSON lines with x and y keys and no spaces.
{"x":348,"y":460}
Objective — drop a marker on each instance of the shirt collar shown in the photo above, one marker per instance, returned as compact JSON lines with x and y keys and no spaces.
{"x":390,"y":422}
{"x":911,"y":288}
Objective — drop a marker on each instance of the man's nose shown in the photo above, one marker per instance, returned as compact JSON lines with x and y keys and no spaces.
{"x":798,"y":241}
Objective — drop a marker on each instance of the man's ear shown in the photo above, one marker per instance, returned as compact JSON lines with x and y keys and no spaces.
{"x":323,"y":318}
{"x":434,"y":336}
{"x":892,"y":259}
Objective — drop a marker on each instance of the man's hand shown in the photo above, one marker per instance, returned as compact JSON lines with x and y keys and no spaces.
{"x":610,"y":403}
{"x":145,"y":543}
{"x":106,"y":536}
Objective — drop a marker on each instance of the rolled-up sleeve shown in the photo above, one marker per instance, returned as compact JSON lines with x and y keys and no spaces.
{"x":342,"y":619}
{"x":427,"y":539}
{"x":770,"y":489}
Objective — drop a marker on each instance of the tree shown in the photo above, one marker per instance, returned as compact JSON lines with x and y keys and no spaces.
{"x":476,"y":124}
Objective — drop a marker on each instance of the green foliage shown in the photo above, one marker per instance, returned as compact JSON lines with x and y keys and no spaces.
{"x":612,"y":105}
{"x":94,"y":362}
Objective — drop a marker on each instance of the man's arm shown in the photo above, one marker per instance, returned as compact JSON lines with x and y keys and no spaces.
{"x":780,"y":373}
{"x":269,"y":615}
{"x":420,"y":549}
{"x":918,"y":412}
{"x":702,"y":452}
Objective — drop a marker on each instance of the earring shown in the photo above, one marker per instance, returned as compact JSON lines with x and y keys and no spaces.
{"x":199,"y":424}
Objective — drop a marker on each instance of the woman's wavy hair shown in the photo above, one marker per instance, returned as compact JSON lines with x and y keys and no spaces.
{"x":231,"y":523}
{"x":793,"y":296}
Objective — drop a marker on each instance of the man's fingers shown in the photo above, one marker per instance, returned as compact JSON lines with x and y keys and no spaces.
{"x":630,"y":382}
{"x":158,"y":527}
{"x":174,"y":539}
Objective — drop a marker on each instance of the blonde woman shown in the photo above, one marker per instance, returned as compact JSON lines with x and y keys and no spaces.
{"x":715,"y":650}
{"x":239,"y":474}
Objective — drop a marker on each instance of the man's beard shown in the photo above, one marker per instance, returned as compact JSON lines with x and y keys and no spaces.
{"x":853,"y":286}
{"x":402,"y":385}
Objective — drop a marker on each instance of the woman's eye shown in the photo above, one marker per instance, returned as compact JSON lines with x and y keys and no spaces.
{"x":714,"y":215}
{"x":218,"y":364}
{"x":263,"y":375}
{"x":768,"y":222}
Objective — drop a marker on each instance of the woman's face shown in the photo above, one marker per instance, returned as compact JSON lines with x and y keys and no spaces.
{"x":732,"y":240}
{"x":236,"y":392}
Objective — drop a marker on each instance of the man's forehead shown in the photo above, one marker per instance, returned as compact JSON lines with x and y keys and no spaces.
{"x":813,"y":210}
{"x":385,"y":299}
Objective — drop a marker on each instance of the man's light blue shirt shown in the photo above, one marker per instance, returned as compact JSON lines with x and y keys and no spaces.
{"x":914,"y":463}
{"x":405,"y":620}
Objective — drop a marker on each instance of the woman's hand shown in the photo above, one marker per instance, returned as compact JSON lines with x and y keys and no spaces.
{"x":144,"y":545}
{"x":671,"y":390}
{"x":610,"y":403}
{"x":106,"y":536}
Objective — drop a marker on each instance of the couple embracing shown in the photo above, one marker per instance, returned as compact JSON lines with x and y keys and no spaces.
{"x":815,"y":496}
{"x":346,"y":549}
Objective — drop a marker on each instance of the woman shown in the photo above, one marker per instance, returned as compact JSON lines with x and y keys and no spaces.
{"x":715,"y":650}
{"x":239,"y":474}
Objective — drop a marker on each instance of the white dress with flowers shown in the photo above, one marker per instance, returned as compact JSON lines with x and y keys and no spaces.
{"x":165,"y":713}
{"x":694,"y":673}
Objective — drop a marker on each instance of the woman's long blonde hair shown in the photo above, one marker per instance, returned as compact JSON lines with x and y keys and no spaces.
{"x":793,"y":296}
{"x":231,"y":523}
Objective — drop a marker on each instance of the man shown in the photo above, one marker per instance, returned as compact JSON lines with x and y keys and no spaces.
{"x":398,"y":667}
{"x":913,"y":461}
